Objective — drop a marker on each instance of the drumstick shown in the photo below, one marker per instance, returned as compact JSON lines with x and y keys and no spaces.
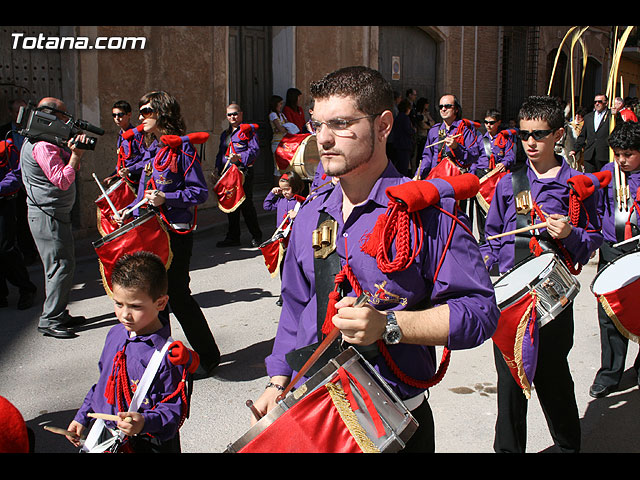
{"x":107,"y":416}
{"x":490,"y":174}
{"x":628,"y":240}
{"x":137,"y":205}
{"x":62,"y":431}
{"x":104,"y":192}
{"x":254,"y":410}
{"x":524,"y":229}
{"x":335,"y":332}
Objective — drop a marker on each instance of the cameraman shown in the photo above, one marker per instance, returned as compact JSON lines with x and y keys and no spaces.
{"x":48,"y":174}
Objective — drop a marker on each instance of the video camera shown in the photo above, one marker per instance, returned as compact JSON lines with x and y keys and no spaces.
{"x":41,"y":123}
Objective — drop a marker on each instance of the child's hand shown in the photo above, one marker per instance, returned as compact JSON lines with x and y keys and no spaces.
{"x":77,"y":428}
{"x":276,"y":191}
{"x":130,"y":423}
{"x":292,"y":214}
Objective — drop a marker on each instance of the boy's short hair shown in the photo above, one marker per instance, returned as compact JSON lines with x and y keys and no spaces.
{"x":369,"y":89}
{"x":542,"y":107}
{"x":625,"y":136}
{"x":143,"y":271}
{"x":122,"y":105}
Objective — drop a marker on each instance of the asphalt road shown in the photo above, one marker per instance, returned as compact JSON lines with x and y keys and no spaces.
{"x":47,"y":378}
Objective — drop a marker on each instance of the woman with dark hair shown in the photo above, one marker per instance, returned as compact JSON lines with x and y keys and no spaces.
{"x":292,"y":109}
{"x":174,"y":184}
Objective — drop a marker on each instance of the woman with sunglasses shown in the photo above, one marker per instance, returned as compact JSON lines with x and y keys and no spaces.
{"x":174,"y":184}
{"x":545,"y":179}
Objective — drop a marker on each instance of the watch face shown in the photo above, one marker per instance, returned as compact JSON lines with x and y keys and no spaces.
{"x":392,"y":336}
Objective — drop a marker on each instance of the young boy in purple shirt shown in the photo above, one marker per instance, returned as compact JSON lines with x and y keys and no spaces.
{"x":545,"y":175}
{"x":139,"y":294}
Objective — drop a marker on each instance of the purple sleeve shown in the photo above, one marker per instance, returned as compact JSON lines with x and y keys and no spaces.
{"x":195,"y":190}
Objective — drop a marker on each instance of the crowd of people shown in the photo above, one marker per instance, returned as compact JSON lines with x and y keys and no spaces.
{"x":400,"y":194}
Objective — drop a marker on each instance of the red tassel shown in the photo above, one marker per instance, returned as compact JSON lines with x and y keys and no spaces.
{"x":374,"y":238}
{"x":327,"y":326}
{"x":110,"y":391}
{"x":534,"y":246}
{"x":627,"y":230}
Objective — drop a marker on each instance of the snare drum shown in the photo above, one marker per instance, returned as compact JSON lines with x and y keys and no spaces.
{"x":122,"y":194}
{"x":552,"y":281}
{"x":346,"y":407}
{"x":617,"y":288}
{"x":143,"y":233}
{"x":298,"y":153}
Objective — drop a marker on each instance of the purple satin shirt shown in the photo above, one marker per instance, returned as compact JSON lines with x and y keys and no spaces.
{"x":552,"y":196}
{"x":281,"y":205}
{"x":607,"y":204}
{"x":134,"y":151}
{"x":505,"y":155}
{"x":247,"y":149}
{"x":463,"y":282}
{"x":183,"y":189}
{"x":163,"y":420}
{"x":465,"y":154}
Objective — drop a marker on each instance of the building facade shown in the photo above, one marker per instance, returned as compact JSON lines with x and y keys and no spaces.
{"x":207,"y":67}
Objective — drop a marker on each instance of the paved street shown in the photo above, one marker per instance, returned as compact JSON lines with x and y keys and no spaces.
{"x":47,"y":378}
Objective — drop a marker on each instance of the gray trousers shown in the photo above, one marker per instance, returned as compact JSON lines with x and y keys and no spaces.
{"x":55,"y":243}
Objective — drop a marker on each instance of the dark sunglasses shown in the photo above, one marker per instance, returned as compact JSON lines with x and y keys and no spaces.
{"x":146,"y":111}
{"x":599,"y":101}
{"x":490,"y":122}
{"x":119,"y":115}
{"x":536,"y":134}
{"x":233,"y":114}
{"x":446,"y":106}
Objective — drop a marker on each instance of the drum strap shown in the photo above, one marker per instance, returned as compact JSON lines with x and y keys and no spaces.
{"x":520,"y":183}
{"x":325,"y":271}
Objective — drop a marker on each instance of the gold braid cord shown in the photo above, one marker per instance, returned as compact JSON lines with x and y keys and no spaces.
{"x":614,"y":318}
{"x":350,"y":419}
{"x":520,"y":332}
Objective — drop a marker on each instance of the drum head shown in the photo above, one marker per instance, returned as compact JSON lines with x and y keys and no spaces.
{"x":616,"y":274}
{"x":517,"y":281}
{"x":306,"y":159}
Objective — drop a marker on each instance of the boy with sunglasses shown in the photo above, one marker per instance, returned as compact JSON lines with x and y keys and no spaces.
{"x":130,"y":145}
{"x":544,"y":179}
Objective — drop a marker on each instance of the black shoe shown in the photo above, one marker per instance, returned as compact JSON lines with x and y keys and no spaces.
{"x":57,"y":332}
{"x":279,"y":301}
{"x":26,"y":300}
{"x":205,"y":372}
{"x":256,"y":242}
{"x":228,"y":242}
{"x":598,"y":391}
{"x":75,"y":321}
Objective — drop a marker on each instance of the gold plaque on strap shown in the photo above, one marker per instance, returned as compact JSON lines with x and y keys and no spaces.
{"x":524,"y":202}
{"x":324,"y":238}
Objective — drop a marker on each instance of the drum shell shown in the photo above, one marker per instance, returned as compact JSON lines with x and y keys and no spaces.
{"x":555,"y":285}
{"x":399,"y":424}
{"x":305,"y":157}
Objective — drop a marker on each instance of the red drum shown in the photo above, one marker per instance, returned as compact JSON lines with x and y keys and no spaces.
{"x":617,"y":288}
{"x":121,"y":193}
{"x":445,"y":168}
{"x":298,"y":153}
{"x":229,"y":189}
{"x":346,"y":407}
{"x":146,"y":233}
{"x":487,"y":188}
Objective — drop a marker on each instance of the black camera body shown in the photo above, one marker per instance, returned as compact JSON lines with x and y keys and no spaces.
{"x":42,"y":124}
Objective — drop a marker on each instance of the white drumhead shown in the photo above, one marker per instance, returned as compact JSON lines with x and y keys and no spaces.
{"x":622,"y":271}
{"x":517,"y":279}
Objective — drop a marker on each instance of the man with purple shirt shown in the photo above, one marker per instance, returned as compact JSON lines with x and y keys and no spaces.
{"x":240,"y":146}
{"x":463,"y":150}
{"x":130,"y":150}
{"x":352,"y":119}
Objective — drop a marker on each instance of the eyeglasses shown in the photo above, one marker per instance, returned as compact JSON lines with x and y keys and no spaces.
{"x":490,"y":122}
{"x":536,"y":134}
{"x":446,"y":106}
{"x":119,"y":114}
{"x":146,"y":111}
{"x":598,"y":101}
{"x":337,"y":125}
{"x":233,"y":114}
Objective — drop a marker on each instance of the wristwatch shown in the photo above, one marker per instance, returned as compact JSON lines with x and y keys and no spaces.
{"x":392,"y":334}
